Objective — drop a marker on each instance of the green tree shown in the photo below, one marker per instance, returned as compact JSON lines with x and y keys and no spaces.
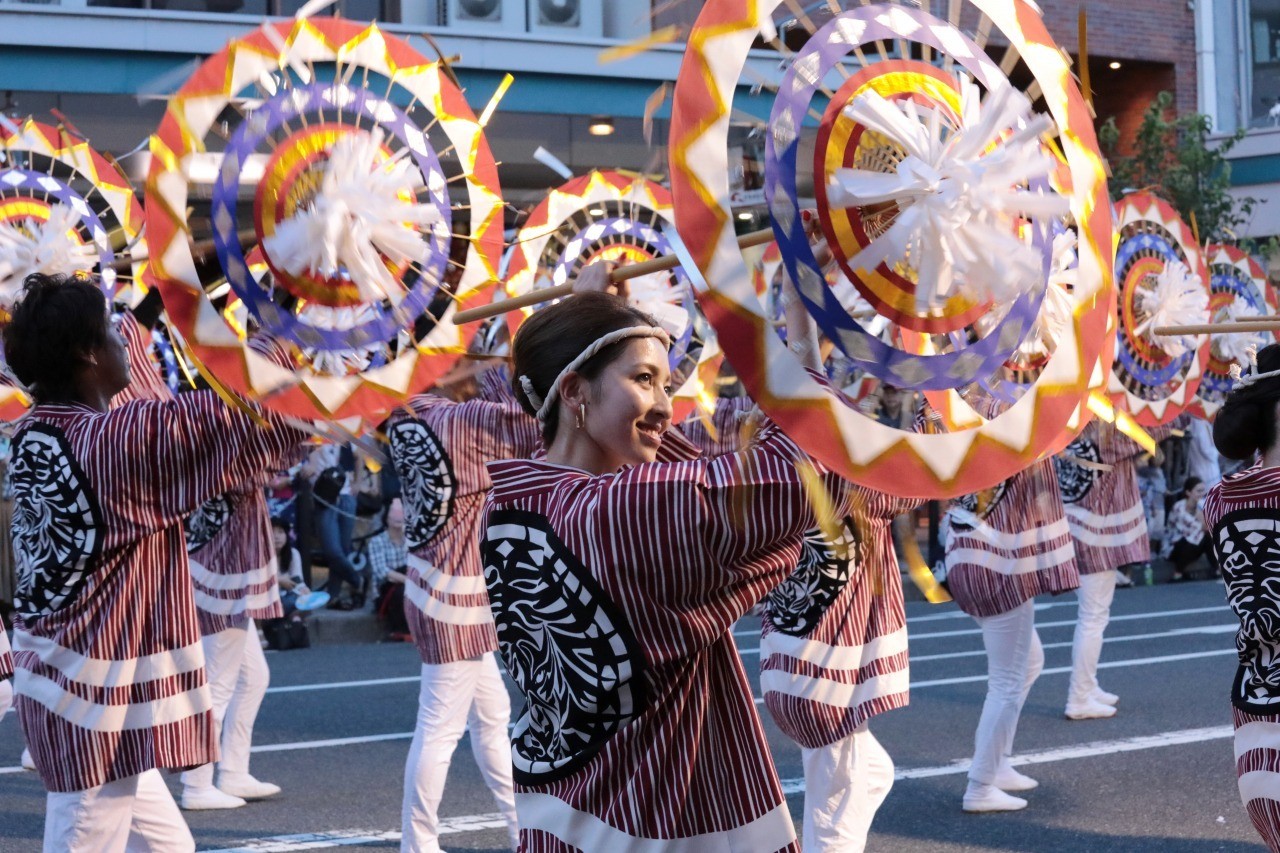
{"x":1172,"y":157}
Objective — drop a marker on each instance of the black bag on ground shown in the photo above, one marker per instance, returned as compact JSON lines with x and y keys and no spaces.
{"x":285,"y":634}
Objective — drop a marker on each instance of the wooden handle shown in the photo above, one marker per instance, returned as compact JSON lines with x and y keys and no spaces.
{"x":199,"y":250}
{"x":1260,"y":324}
{"x":535,"y":297}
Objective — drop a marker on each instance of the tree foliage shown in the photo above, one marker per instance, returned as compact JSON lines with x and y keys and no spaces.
{"x":1172,"y":157}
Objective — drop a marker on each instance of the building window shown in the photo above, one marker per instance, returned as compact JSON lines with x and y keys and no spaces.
{"x":1264,"y":50}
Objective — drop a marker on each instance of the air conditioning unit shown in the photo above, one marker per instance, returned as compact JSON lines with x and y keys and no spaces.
{"x":568,"y":19}
{"x":507,"y":15}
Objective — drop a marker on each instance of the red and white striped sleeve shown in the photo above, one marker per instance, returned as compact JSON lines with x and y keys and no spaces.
{"x":728,"y":529}
{"x":145,"y":380}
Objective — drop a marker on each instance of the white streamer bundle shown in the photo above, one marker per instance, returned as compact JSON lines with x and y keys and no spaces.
{"x":45,"y":247}
{"x":1177,"y":297}
{"x":957,"y":191}
{"x":1237,"y":348}
{"x":359,"y":220}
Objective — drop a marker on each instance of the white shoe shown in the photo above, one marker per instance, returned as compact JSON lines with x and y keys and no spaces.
{"x":245,"y":786}
{"x":208,"y":799}
{"x":1089,"y":710}
{"x":1123,"y":580}
{"x":1009,"y":779}
{"x":28,"y":763}
{"x":988,"y":798}
{"x":1104,"y":697}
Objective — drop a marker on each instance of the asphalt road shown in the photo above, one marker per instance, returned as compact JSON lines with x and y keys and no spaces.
{"x":1158,"y":777}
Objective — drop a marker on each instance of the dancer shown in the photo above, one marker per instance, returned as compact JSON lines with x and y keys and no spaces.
{"x":633,"y":575}
{"x":1004,"y":546}
{"x":104,"y":549}
{"x":232,"y":564}
{"x":233,"y":571}
{"x":440,"y":453}
{"x":1243,"y":514}
{"x":6,"y":673}
{"x":1098,"y":478}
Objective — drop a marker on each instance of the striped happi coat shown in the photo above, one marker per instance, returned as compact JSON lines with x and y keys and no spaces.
{"x":1104,"y":508}
{"x":440,"y":452}
{"x":233,"y":563}
{"x":1243,"y":514}
{"x":1009,"y":544}
{"x":833,"y":649}
{"x":615,"y":598}
{"x":229,"y":547}
{"x":110,"y":673}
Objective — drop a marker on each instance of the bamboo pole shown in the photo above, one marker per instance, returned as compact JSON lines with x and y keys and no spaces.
{"x":1261,"y":324}
{"x":535,"y":297}
{"x":199,"y":250}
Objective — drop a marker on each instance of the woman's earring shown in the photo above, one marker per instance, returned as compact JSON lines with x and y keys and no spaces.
{"x":582,"y":416}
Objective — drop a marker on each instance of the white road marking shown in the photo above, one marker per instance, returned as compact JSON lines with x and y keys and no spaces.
{"x":475,"y":823}
{"x":1177,"y":632}
{"x":1123,"y":617}
{"x":300,"y":688}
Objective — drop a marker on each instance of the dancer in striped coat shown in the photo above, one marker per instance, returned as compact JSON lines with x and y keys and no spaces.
{"x":833,"y":654}
{"x":99,"y":498}
{"x":721,"y":433}
{"x":1098,"y":477}
{"x":233,"y":574}
{"x":440,"y":450}
{"x":615,"y":585}
{"x":1005,"y":546}
{"x":1243,"y":515}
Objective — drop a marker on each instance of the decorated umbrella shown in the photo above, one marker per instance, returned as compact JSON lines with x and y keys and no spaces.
{"x":1161,"y":279}
{"x":64,"y":208}
{"x":1238,"y":292}
{"x":623,"y":217}
{"x":936,"y":188}
{"x":376,"y":214}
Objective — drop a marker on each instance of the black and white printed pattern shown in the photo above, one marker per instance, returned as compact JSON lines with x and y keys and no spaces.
{"x":1076,"y":480}
{"x":57,"y":525}
{"x":797,"y":604}
{"x":1247,"y":543}
{"x":567,"y":646}
{"x":207,"y":522}
{"x":427,"y":481}
{"x":983,"y":503}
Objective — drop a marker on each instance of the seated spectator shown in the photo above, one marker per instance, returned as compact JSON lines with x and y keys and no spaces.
{"x":1154,"y":487}
{"x":388,"y":555}
{"x":1187,"y":539}
{"x":289,"y":567}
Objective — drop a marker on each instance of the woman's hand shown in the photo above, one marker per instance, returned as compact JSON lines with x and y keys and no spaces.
{"x":286,"y":582}
{"x":594,"y":278}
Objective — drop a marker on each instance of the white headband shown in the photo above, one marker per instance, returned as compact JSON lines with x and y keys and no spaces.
{"x":1244,"y":380}
{"x":544,"y":406}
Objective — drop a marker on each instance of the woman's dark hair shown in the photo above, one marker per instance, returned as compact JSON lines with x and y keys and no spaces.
{"x":57,"y":320}
{"x":1246,"y":423}
{"x":284,"y":556}
{"x":554,"y":336}
{"x":1189,"y":484}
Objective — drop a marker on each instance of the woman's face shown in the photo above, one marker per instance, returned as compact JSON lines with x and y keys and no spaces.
{"x":113,"y":358}
{"x":279,"y":537}
{"x":628,"y":406}
{"x":1196,"y":493}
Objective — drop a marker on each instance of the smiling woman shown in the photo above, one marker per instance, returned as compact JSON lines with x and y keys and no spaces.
{"x":616,"y":569}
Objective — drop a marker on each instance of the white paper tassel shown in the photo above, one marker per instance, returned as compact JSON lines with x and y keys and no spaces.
{"x":357,"y":219}
{"x":957,"y":193}
{"x":1176,"y":297}
{"x":1238,"y":349}
{"x":656,"y":296}
{"x":45,"y":247}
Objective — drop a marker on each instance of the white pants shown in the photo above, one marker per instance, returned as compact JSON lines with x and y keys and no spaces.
{"x":238,"y":677}
{"x":1095,"y":594}
{"x":453,"y":697}
{"x":1014,"y":660}
{"x":844,"y":784}
{"x":133,"y":814}
{"x":6,"y":696}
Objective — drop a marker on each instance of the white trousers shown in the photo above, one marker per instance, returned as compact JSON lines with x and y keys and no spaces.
{"x":6,"y":696}
{"x":454,"y":697}
{"x":1094,"y":595}
{"x":238,"y":677}
{"x":844,"y":783}
{"x":1014,"y":660}
{"x":134,"y":815}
